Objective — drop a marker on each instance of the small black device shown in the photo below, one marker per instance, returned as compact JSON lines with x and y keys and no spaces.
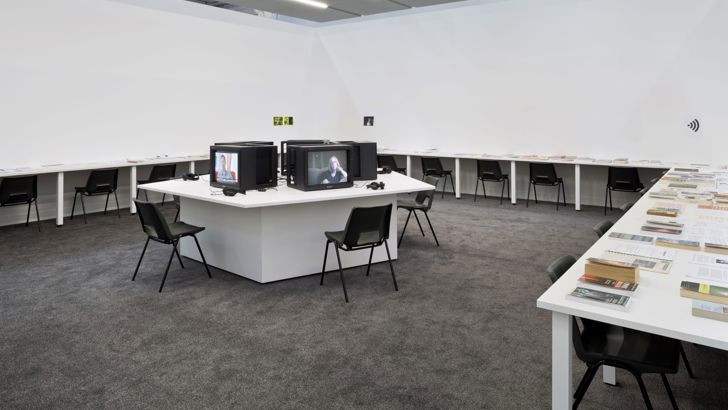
{"x":317,"y":167}
{"x":229,"y":192}
{"x":376,"y":185}
{"x":190,"y":176}
{"x":284,"y":150}
{"x":363,"y":165}
{"x":385,"y":170}
{"x":243,"y":167}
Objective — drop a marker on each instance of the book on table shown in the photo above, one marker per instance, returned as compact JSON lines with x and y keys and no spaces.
{"x":661,"y":229}
{"x":716,"y":248}
{"x":661,"y":211}
{"x":607,"y":284}
{"x":600,"y":298}
{"x":631,"y":237}
{"x":704,"y":291}
{"x":710,"y":310}
{"x":612,"y":269}
{"x":678,"y":244}
{"x":682,"y":185}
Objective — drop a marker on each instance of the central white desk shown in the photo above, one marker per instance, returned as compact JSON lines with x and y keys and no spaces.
{"x":279,"y":234}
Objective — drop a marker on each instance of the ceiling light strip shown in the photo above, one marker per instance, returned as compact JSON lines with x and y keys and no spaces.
{"x":313,"y":3}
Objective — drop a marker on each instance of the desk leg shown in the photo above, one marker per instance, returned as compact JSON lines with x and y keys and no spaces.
{"x":59,"y":199}
{"x":409,"y":165}
{"x":560,"y":361}
{"x":192,"y":167}
{"x":513,"y":182}
{"x":132,"y":188}
{"x":457,"y":178}
{"x":577,"y":187}
{"x":609,"y":375}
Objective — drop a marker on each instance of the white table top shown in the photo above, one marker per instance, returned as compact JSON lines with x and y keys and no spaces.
{"x":539,"y":158}
{"x":283,"y":195}
{"x":656,"y":306}
{"x":53,"y":168}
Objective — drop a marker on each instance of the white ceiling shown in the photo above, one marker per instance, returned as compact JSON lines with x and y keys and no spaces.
{"x":338,"y":9}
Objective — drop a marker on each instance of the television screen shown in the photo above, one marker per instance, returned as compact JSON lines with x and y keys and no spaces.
{"x":226,"y":168}
{"x":327,"y":167}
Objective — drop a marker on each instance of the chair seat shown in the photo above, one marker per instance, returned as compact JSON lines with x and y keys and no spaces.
{"x":626,"y":189}
{"x":365,"y":239}
{"x":17,"y":199}
{"x":645,"y":352}
{"x":409,"y":204}
{"x":179,"y":229}
{"x":82,"y":189}
{"x":335,"y":236}
{"x":486,"y":177}
{"x":558,"y":181}
{"x":438,"y":173}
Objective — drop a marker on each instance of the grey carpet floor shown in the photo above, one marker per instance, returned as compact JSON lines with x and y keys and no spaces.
{"x":462,"y":332}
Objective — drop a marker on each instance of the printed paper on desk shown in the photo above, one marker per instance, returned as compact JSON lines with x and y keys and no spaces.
{"x":707,"y":274}
{"x":646,"y":251}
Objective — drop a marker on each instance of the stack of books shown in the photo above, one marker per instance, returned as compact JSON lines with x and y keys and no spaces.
{"x":709,"y":301}
{"x":663,"y":226}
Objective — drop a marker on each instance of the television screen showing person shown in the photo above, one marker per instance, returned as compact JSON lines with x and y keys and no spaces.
{"x":226,"y":165}
{"x":335,"y":173}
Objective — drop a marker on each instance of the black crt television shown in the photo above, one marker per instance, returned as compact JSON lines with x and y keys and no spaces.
{"x":243,"y":143}
{"x":244,"y":167}
{"x":363,"y":164}
{"x":284,"y":150}
{"x":317,"y":167}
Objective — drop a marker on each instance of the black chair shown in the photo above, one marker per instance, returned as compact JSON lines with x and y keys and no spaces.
{"x":158,"y":230}
{"x":626,"y":207}
{"x":366,"y":228}
{"x":159,"y":173}
{"x":491,"y":171}
{"x":544,"y":174}
{"x":423,"y":203}
{"x":601,"y":344}
{"x":602,"y":227}
{"x":623,"y":180}
{"x":20,"y":191}
{"x":388,"y":161}
{"x":433,"y":167}
{"x":100,"y":182}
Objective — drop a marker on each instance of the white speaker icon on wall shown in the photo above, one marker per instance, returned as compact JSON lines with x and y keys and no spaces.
{"x":694,"y":125}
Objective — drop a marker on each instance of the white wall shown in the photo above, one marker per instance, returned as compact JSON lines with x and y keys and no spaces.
{"x":598,"y":78}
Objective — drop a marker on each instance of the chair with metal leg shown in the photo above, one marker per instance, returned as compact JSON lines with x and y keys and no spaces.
{"x":388,"y":161}
{"x":602,"y":227}
{"x":100,"y":182}
{"x":623,"y":180}
{"x":544,"y":174}
{"x":422,"y":203}
{"x":157,"y":229}
{"x":601,"y":344}
{"x":159,"y":173}
{"x":491,"y":171}
{"x":367,"y":228}
{"x":433,"y":167}
{"x":20,"y":191}
{"x":177,"y":205}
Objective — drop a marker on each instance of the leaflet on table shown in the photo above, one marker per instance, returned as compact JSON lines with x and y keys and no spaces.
{"x":646,"y":263}
{"x":647,"y":251}
{"x":705,"y":231}
{"x":708,"y":274}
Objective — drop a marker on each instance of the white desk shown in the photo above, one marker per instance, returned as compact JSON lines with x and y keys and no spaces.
{"x":61,"y":169}
{"x":656,"y":308}
{"x":515,"y":159}
{"x":279,"y":234}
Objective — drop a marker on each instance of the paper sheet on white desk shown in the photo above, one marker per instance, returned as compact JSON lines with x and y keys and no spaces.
{"x":651,"y":258}
{"x":710,"y":274}
{"x":647,"y":251}
{"x":704,"y":231}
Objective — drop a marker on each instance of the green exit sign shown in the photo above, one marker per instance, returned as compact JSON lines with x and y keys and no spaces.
{"x":282,"y":121}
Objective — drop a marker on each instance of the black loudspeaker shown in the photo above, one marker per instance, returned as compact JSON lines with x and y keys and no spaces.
{"x":376,"y":185}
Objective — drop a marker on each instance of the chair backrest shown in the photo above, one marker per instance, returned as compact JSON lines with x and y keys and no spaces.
{"x":18,"y":190}
{"x":431,"y":165}
{"x":386,"y":161}
{"x":542,"y":173}
{"x":426,"y":197}
{"x":602,"y":227}
{"x":489,"y":170}
{"x":627,"y":179}
{"x":367,"y":226}
{"x":102,"y":180}
{"x":162,"y":172}
{"x":153,"y":221}
{"x":559,"y":267}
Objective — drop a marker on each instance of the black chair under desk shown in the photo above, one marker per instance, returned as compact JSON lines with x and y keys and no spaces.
{"x":159,"y":173}
{"x":433,"y":167}
{"x":388,"y":161}
{"x":20,"y":191}
{"x":544,"y":174}
{"x":490,"y":171}
{"x":422,"y":203}
{"x":157,"y":229}
{"x":100,"y":182}
{"x":366,"y":228}
{"x":622,"y":180}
